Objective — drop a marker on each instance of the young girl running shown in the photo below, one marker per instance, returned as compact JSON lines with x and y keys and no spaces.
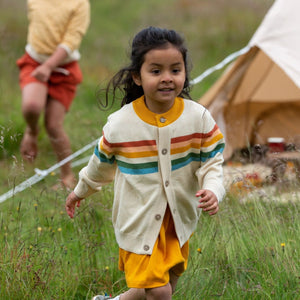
{"x":164,"y":154}
{"x":50,"y":73}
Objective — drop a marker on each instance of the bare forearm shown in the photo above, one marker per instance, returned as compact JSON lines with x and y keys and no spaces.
{"x":56,"y":58}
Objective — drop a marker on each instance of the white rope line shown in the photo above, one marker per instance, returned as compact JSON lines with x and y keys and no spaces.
{"x":41,"y":174}
{"x":220,"y":65}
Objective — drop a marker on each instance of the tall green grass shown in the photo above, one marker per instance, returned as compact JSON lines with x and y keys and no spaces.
{"x":248,"y":251}
{"x":237,"y":254}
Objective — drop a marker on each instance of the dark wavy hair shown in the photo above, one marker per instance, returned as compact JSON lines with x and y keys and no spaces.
{"x":147,"y":39}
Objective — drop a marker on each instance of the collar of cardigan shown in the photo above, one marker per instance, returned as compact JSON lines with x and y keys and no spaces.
{"x":159,"y":120}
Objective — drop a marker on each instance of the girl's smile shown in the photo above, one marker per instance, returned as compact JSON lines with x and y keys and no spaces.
{"x":162,"y":78}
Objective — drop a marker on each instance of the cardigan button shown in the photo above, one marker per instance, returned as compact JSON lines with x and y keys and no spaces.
{"x":164,"y":151}
{"x":162,"y":120}
{"x":157,"y":217}
{"x":167,"y":183}
{"x":146,"y":247}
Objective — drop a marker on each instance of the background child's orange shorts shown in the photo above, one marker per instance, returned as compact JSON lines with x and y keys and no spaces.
{"x":61,"y":87}
{"x":150,"y":271}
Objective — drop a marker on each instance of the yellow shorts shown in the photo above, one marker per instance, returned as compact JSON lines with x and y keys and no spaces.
{"x":150,"y":271}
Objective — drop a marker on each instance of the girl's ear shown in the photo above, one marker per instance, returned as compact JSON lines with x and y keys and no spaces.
{"x":136,"y":78}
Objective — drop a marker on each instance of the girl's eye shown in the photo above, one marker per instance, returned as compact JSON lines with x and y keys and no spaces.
{"x":175,"y":71}
{"x":156,"y":71}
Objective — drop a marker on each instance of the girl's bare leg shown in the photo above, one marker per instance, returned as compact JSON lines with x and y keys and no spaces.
{"x":159,"y":293}
{"x":173,"y":280}
{"x":54,"y":119}
{"x":34,"y":97}
{"x":163,"y":293}
{"x":134,"y":294}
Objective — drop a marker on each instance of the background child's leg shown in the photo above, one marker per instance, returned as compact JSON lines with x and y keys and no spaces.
{"x":34,"y":97}
{"x":54,"y":119}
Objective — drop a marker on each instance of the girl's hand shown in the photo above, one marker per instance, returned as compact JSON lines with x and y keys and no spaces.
{"x":71,"y":202}
{"x":42,"y":73}
{"x":208,"y":201}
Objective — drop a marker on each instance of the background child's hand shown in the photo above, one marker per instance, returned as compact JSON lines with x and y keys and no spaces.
{"x":71,"y":202}
{"x":208,"y":201}
{"x":42,"y":73}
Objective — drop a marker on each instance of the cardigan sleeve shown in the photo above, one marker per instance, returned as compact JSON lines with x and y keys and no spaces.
{"x":210,"y":173}
{"x":99,"y":171}
{"x":77,"y":26}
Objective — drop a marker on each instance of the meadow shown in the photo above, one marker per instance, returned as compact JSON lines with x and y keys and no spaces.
{"x":250,"y":250}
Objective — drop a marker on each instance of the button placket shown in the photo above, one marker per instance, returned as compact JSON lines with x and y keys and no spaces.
{"x":162,"y":120}
{"x":157,"y":217}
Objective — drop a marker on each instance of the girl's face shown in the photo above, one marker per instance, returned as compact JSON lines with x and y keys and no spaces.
{"x":162,"y":78}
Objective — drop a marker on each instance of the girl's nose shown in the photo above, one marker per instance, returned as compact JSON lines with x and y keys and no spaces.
{"x":166,"y":77}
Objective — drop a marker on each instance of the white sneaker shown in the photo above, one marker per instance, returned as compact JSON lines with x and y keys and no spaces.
{"x":101,"y":297}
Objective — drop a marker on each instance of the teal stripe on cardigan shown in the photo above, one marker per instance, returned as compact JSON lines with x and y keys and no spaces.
{"x":207,"y":155}
{"x":103,"y":157}
{"x":204,"y":156}
{"x":138,"y":169}
{"x":152,"y":167}
{"x":184,"y":161}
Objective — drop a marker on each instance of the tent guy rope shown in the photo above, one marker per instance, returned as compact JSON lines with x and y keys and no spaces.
{"x":220,"y":65}
{"x":41,"y":174}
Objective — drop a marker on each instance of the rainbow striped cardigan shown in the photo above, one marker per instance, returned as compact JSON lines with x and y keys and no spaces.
{"x":155,"y":161}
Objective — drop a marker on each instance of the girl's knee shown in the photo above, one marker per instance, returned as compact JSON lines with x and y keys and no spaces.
{"x":163,"y":292}
{"x":31,"y":108}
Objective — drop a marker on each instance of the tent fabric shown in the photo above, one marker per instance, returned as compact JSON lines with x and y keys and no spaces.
{"x":279,"y":37}
{"x":258,"y":95}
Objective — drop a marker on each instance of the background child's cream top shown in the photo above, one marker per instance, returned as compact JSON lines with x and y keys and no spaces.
{"x":156,"y":160}
{"x":54,"y":23}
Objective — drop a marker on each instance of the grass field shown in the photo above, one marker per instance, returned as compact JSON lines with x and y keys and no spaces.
{"x":250,"y":250}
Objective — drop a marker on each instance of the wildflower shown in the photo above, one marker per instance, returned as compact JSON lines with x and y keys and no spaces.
{"x":52,"y":173}
{"x":35,"y":206}
{"x":39,"y":229}
{"x":282,"y":246}
{"x":106,"y":268}
{"x":61,"y":212}
{"x":199,"y":250}
{"x":59,"y":229}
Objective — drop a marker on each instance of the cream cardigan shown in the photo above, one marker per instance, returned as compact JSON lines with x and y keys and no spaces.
{"x":155,"y":160}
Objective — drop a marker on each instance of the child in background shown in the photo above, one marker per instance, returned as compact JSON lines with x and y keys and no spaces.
{"x":165,"y":154}
{"x":49,"y":73}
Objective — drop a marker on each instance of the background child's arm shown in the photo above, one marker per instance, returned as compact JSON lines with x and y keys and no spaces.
{"x":43,"y":72}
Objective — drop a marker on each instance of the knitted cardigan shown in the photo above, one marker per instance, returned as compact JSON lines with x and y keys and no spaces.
{"x":155,"y":160}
